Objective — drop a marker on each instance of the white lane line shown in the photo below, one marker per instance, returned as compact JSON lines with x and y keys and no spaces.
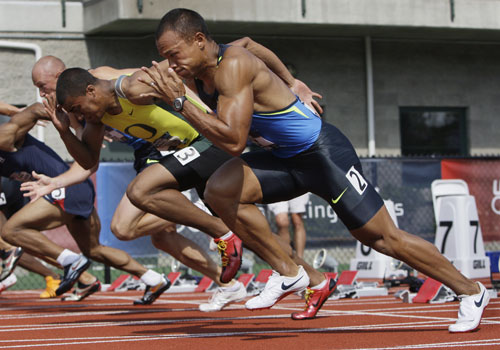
{"x":102,"y":340}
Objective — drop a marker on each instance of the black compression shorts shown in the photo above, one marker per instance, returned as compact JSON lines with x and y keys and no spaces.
{"x":192,"y":168}
{"x":330,"y":169}
{"x":145,"y":156}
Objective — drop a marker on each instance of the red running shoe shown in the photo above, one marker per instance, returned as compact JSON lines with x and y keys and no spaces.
{"x":315,"y":298}
{"x":231,"y":253}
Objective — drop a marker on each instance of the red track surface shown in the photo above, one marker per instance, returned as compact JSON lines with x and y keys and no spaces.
{"x":108,"y":320}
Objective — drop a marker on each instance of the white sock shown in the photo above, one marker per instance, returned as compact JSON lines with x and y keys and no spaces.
{"x":67,"y":257}
{"x":226,"y":236}
{"x":232,"y":288}
{"x":151,"y":278}
{"x":319,"y":286}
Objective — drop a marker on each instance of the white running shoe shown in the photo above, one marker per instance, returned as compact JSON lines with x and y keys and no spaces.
{"x":222,"y":297}
{"x":278,"y":287}
{"x":470,"y":311}
{"x":8,"y":282}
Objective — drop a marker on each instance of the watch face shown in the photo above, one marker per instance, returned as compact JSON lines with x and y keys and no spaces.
{"x":178,"y":104}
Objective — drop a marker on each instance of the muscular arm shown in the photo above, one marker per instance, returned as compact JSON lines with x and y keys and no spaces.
{"x":86,"y":151}
{"x":13,"y":132}
{"x":274,"y":64}
{"x":268,"y":57}
{"x":135,"y":87}
{"x":109,"y":73}
{"x":228,"y":129}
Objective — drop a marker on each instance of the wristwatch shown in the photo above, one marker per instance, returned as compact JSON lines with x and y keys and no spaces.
{"x":179,"y":103}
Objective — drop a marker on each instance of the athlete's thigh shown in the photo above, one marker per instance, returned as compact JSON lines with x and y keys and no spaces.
{"x":126,"y":213}
{"x":85,"y":231}
{"x":234,"y":181}
{"x":39,"y":215}
{"x":273,"y":176}
{"x":153,"y":179}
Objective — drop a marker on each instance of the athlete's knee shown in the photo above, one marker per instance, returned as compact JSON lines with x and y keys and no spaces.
{"x":137,"y":193}
{"x":10,"y":232}
{"x":122,"y":233}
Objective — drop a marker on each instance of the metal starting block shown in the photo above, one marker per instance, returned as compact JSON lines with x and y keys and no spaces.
{"x":349,"y":287}
{"x":431,"y":291}
{"x":126,"y":282}
{"x":257,"y":285}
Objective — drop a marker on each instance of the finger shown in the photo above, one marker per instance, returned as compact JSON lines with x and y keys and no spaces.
{"x":317,"y":106}
{"x":315,"y":94}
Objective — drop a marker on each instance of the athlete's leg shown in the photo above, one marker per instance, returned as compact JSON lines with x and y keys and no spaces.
{"x":231,"y":192}
{"x":155,"y":190}
{"x":86,"y":234}
{"x":283,"y":224}
{"x":23,"y":228}
{"x":130,"y":222}
{"x":187,"y":252}
{"x":299,"y":233}
{"x":381,"y":234}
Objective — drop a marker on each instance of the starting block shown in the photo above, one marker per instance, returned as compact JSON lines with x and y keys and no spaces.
{"x":204,"y":285}
{"x":126,"y":282}
{"x":458,"y":232}
{"x":263,"y":276}
{"x":349,"y":287}
{"x":174,"y":277}
{"x":432,"y":292}
{"x":246,"y":278}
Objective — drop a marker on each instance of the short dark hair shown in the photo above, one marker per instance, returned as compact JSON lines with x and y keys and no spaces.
{"x":73,"y":82}
{"x":185,"y":22}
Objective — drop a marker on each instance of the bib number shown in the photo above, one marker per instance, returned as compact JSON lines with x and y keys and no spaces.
{"x":58,"y":194}
{"x":357,"y":180}
{"x":3,"y":200}
{"x":186,"y":155}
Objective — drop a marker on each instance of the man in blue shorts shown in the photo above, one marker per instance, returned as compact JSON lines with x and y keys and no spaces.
{"x":303,"y":154}
{"x":20,"y":155}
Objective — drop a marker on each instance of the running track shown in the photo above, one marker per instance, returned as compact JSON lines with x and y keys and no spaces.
{"x":108,"y":320}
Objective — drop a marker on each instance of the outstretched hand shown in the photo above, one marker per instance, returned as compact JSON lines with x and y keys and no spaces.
{"x":306,"y":95}
{"x":59,"y":118}
{"x":39,"y":188}
{"x":166,"y":86}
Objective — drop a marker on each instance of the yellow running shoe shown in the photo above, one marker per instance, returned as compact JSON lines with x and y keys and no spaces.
{"x":50,"y":290}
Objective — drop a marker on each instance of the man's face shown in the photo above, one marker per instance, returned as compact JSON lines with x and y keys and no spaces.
{"x":46,"y":82}
{"x":184,"y":57}
{"x":88,"y":106}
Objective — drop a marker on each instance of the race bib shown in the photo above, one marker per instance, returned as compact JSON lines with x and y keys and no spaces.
{"x":357,"y":180}
{"x":58,"y":194}
{"x":3,"y":200}
{"x":186,"y":155}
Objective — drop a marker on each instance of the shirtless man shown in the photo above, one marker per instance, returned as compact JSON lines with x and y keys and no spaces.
{"x":305,"y":154}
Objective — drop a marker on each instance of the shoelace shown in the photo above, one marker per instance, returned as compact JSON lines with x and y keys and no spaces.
{"x":308,"y":297}
{"x":222,"y":246}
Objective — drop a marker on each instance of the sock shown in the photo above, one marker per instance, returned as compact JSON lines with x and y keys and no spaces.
{"x":233,"y":288}
{"x":319,"y":286}
{"x":151,"y":278}
{"x":67,"y":257}
{"x":226,"y":236}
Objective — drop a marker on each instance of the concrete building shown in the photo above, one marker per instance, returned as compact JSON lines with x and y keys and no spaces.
{"x":377,"y":63}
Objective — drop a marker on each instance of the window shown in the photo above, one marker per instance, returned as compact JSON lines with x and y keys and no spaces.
{"x":433,"y":131}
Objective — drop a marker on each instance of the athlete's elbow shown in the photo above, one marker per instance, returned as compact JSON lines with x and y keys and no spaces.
{"x":235,"y":149}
